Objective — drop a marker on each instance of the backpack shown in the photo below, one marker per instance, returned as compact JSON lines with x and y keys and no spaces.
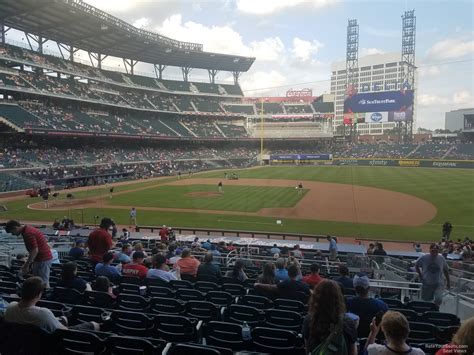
{"x":335,"y":344}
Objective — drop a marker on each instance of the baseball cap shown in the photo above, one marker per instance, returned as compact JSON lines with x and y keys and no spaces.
{"x":361,"y":280}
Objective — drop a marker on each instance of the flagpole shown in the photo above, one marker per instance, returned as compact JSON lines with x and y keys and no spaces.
{"x":261,"y":130}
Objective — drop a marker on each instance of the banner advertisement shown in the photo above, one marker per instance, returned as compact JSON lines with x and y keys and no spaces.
{"x":412,"y":163}
{"x":291,"y":157}
{"x":376,"y":117}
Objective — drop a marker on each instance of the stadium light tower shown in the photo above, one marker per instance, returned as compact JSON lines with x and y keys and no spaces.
{"x":407,"y":77}
{"x":352,"y":62}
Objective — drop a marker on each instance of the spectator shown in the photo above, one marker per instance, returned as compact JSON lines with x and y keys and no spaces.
{"x":395,"y":328}
{"x":139,"y":247}
{"x":463,"y":340}
{"x":196,"y":244}
{"x":326,"y":317}
{"x":106,"y":269}
{"x":290,"y":289}
{"x":216,"y":255}
{"x":364,"y":306}
{"x":230,"y":247}
{"x":275,"y":250}
{"x":319,"y":256}
{"x":26,"y":312}
{"x":284,"y":253}
{"x":332,"y":248}
{"x":430,"y":268}
{"x":69,"y":278}
{"x":161,"y":270}
{"x":188,"y":264}
{"x":77,"y":252}
{"x":56,"y":224}
{"x":267,"y":277}
{"x":21,"y":259}
{"x":54,"y":254}
{"x":447,"y":228}
{"x":418,"y":248}
{"x":237,"y":271}
{"x":136,"y":267}
{"x":379,"y":250}
{"x":40,"y":257}
{"x":100,"y":241}
{"x":297,"y":253}
{"x":370,"y":250}
{"x":124,"y":256}
{"x":206,"y":245}
{"x":102,"y":284}
{"x":281,"y":274}
{"x":209,"y":268}
{"x":344,"y":279}
{"x":173,"y":260}
{"x":171,"y":251}
{"x":164,"y":233}
{"x":313,"y":279}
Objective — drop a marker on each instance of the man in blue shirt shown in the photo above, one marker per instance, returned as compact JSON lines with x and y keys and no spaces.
{"x":364,"y":306}
{"x":281,"y":274}
{"x":124,"y":256}
{"x":206,"y":245}
{"x":275,"y":250}
{"x":106,"y":269}
{"x":344,"y":279}
{"x":332,"y":248}
{"x":77,"y":251}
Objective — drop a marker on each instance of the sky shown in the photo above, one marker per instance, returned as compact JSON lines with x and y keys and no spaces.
{"x":295,"y":41}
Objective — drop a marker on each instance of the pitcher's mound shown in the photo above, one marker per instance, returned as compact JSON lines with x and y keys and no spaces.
{"x":203,"y":194}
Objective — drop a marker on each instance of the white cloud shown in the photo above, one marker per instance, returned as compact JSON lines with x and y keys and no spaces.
{"x":452,"y":48}
{"x":431,"y":71}
{"x":263,"y":81}
{"x":221,"y":39}
{"x":463,"y":97}
{"x":305,"y":50}
{"x":265,"y":7}
{"x":431,"y":100}
{"x":114,"y":5}
{"x":368,"y":51}
{"x":142,"y":22}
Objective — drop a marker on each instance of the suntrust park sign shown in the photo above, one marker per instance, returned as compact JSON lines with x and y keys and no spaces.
{"x":376,"y":102}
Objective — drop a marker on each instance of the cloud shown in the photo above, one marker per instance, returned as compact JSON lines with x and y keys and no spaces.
{"x":380,"y":32}
{"x":262,"y":82}
{"x":305,"y":50}
{"x":431,"y":71}
{"x":114,"y":5}
{"x":142,"y":22}
{"x":266,"y":7}
{"x":368,"y":51}
{"x":463,"y":97}
{"x":430,"y":100}
{"x":221,"y":39}
{"x":452,"y":48}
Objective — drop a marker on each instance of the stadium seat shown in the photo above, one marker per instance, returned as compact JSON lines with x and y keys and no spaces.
{"x":120,"y":345}
{"x":205,"y":286}
{"x":235,"y":290}
{"x":392,"y":303}
{"x":12,"y":340}
{"x":220,"y":298}
{"x":132,"y":324}
{"x":185,"y":294}
{"x":230,"y":280}
{"x":188,"y":277}
{"x":422,"y":333}
{"x":59,"y":309}
{"x":98,"y":299}
{"x":289,"y":305}
{"x":78,"y":342}
{"x":166,"y":305}
{"x":131,"y":289}
{"x":132,"y":302}
{"x":276,"y":341}
{"x":289,"y":320}
{"x":132,"y":280}
{"x":175,"y":284}
{"x":202,"y":310}
{"x":410,"y":314}
{"x":159,"y":291}
{"x":196,"y":349}
{"x":237,"y":313}
{"x":8,"y":287}
{"x":208,"y":278}
{"x":175,"y":328}
{"x":259,"y":302}
{"x":67,"y":295}
{"x":421,"y":306}
{"x":442,"y":320}
{"x":224,"y":334}
{"x":157,"y":282}
{"x":81,"y":314}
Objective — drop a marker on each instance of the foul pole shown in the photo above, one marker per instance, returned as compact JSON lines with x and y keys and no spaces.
{"x":262,"y":135}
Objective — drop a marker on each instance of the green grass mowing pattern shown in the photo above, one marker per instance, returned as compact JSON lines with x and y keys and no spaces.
{"x":450,"y":190}
{"x":234,"y":198}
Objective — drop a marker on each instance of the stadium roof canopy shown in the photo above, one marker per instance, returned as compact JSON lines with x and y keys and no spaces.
{"x":76,"y":23}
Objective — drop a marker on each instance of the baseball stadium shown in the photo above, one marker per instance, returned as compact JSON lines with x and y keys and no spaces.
{"x":323,"y":187}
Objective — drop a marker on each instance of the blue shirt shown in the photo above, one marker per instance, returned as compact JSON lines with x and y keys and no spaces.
{"x":123,"y":258}
{"x":108,"y":271}
{"x":76,"y":252}
{"x":275,"y":250}
{"x":206,"y":245}
{"x":366,"y":309}
{"x":281,"y":275}
{"x":160,"y":274}
{"x":332,"y":244}
{"x":345,"y":281}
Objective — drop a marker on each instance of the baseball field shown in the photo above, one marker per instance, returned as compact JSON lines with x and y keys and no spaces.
{"x":391,"y":203}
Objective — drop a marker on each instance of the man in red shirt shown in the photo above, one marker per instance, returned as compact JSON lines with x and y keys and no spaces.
{"x":164,"y":232}
{"x":100,"y":241}
{"x":136,"y":267}
{"x":40,"y":257}
{"x":313,"y":279}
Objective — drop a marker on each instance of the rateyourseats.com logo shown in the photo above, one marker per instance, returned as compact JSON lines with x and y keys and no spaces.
{"x":376,"y":117}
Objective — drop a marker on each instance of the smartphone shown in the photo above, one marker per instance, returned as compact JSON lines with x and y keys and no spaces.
{"x":378,"y":317}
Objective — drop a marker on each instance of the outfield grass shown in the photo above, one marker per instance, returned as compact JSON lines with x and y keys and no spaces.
{"x":234,"y":198}
{"x":450,"y":190}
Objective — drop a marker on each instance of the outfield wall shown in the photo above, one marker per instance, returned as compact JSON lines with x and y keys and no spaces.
{"x":415,"y":163}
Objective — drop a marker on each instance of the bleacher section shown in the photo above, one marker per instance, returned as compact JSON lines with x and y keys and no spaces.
{"x":426,"y":151}
{"x":298,"y":108}
{"x":246,"y":109}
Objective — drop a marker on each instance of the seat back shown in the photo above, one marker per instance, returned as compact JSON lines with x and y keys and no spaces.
{"x":289,"y":305}
{"x":289,"y":320}
{"x":202,"y":310}
{"x":393,"y":303}
{"x":132,"y":302}
{"x":224,"y":334}
{"x":175,"y":328}
{"x":441,"y":319}
{"x":259,"y":302}
{"x":131,"y":323}
{"x":422,"y":306}
{"x":422,"y":333}
{"x":175,"y":284}
{"x":132,"y":280}
{"x":98,"y":299}
{"x":131,"y":289}
{"x":13,"y":336}
{"x":208,"y":278}
{"x":410,"y":314}
{"x":235,"y":290}
{"x":237,"y":313}
{"x":160,"y":291}
{"x":195,"y":349}
{"x":78,"y":342}
{"x":205,"y":286}
{"x":59,"y":309}
{"x":220,"y":298}
{"x":186,"y":294}
{"x":277,"y":341}
{"x":166,"y":305}
{"x":67,"y":295}
{"x":81,"y":314}
{"x":121,"y":345}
